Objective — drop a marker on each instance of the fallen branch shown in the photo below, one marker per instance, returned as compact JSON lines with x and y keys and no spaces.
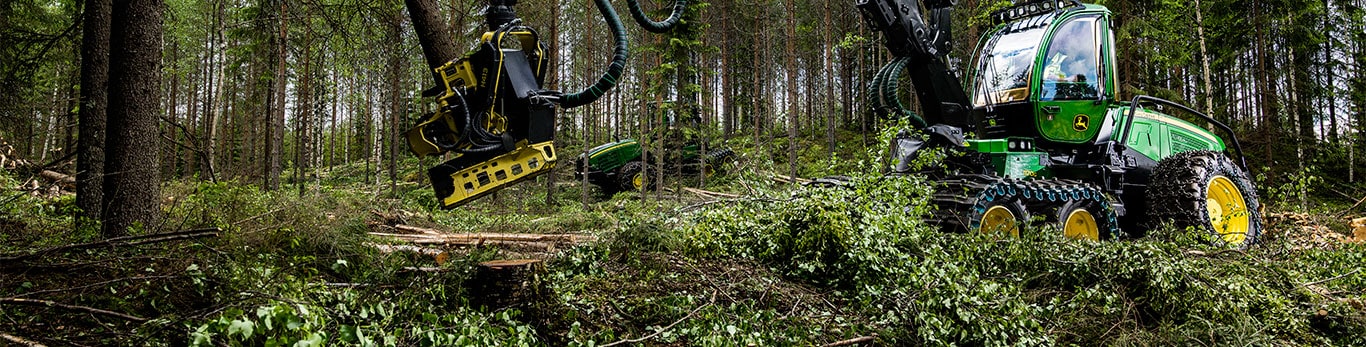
{"x":1349,"y":209}
{"x":544,"y":246}
{"x":122,"y":241}
{"x":710,"y":194}
{"x":20,"y":340}
{"x":722,"y":201}
{"x":54,"y":162}
{"x":670,"y":326}
{"x":853,"y":341}
{"x":87,"y":309}
{"x":1331,"y":279}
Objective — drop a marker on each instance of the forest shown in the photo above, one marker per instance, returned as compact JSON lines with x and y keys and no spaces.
{"x":242,"y":173}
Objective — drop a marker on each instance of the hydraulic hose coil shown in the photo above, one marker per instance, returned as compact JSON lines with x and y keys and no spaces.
{"x":620,"y":53}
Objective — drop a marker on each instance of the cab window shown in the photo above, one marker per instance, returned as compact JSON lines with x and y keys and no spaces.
{"x":1072,"y":62}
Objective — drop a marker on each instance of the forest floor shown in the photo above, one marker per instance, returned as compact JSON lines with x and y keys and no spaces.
{"x":762,"y":264}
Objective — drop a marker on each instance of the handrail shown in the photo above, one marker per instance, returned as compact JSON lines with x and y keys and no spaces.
{"x":1137,"y":103}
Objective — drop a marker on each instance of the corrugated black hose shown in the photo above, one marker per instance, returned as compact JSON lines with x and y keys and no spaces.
{"x":660,"y":26}
{"x":613,"y":74}
{"x":608,"y":79}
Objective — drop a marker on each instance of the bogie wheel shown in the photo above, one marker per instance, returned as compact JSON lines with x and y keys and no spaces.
{"x":635,"y":176}
{"x":1084,"y":220}
{"x":1003,"y":217}
{"x":708,"y":170}
{"x":1206,"y":191}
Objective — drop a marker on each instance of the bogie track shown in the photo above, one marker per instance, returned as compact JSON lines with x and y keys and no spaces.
{"x":962,"y":200}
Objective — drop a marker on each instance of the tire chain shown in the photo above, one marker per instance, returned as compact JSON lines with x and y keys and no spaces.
{"x":1182,"y":202}
{"x":962,"y":199}
{"x":719,"y":155}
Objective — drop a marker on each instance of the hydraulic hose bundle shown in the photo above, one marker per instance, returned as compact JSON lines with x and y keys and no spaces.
{"x":620,"y":53}
{"x":885,"y":87}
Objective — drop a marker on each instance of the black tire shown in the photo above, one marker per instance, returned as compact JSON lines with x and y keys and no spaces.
{"x":720,"y":156}
{"x":1087,"y":219}
{"x":635,"y":176}
{"x":1001,"y":216}
{"x":1180,"y":193}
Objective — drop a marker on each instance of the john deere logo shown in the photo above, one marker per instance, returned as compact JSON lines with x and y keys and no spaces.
{"x":1081,"y":122}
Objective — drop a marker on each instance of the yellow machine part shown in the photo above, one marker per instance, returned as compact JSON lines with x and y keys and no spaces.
{"x":526,"y":162}
{"x":419,"y":143}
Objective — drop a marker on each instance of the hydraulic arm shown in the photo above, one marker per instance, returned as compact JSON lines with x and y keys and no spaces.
{"x":494,"y":114}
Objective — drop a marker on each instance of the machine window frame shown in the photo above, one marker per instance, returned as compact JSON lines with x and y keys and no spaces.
{"x":1048,"y":88}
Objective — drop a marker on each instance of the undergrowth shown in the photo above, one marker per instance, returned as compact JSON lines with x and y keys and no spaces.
{"x":779,"y":266}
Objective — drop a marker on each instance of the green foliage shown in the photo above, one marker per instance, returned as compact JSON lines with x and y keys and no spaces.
{"x":1294,"y":193}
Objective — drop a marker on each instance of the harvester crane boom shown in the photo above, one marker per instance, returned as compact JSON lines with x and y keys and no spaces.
{"x":919,"y":41}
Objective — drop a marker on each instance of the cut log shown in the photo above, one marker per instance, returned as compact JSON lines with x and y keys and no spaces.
{"x":66,"y":181}
{"x":440,"y":256}
{"x":502,"y":283}
{"x":789,"y":179}
{"x":441,"y":241}
{"x":427,"y":234}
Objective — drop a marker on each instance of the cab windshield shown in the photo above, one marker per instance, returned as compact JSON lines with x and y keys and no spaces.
{"x":1003,"y":72}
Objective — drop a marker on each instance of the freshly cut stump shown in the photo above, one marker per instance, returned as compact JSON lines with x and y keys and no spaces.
{"x":503,"y":283}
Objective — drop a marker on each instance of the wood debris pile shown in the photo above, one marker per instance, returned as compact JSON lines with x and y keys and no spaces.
{"x":7,"y":159}
{"x":1304,"y":231}
{"x":47,"y":183}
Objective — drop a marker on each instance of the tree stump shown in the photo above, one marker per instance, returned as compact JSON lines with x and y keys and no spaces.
{"x":1359,"y":229}
{"x":504,"y":283}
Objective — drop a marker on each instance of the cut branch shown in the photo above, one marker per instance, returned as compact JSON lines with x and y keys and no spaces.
{"x":87,"y":309}
{"x":853,"y":341}
{"x":122,"y":241}
{"x":19,"y":340}
{"x":670,"y":326}
{"x":1326,"y":280}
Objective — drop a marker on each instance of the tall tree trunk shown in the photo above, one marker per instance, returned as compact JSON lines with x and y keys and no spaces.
{"x":275,"y":137}
{"x":131,"y":188}
{"x":94,"y":100}
{"x":791,"y":72}
{"x":395,"y":106}
{"x":168,"y":166}
{"x":552,"y":83}
{"x":432,"y":35}
{"x":304,"y":108}
{"x":828,"y":55}
{"x":1204,"y":57}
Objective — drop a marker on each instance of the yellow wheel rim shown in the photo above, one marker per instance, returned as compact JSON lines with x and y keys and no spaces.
{"x":1081,"y":225}
{"x":999,"y":219}
{"x":707,"y":170}
{"x":1227,"y":210}
{"x":638,"y":180}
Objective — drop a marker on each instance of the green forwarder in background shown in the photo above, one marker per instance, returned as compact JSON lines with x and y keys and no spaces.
{"x":620,"y":166}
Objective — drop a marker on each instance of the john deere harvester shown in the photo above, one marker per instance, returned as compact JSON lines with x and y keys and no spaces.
{"x":1052,"y":138}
